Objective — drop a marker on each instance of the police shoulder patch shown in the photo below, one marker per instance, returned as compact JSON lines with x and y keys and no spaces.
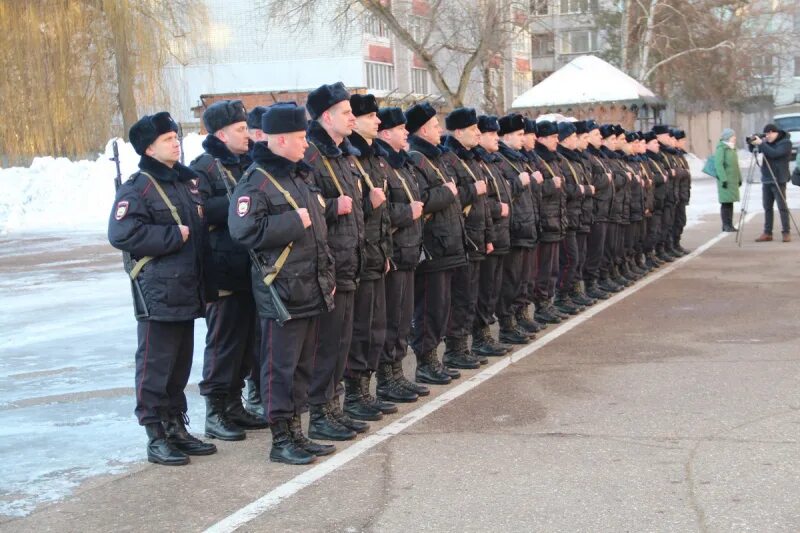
{"x":122,"y":210}
{"x":243,"y":205}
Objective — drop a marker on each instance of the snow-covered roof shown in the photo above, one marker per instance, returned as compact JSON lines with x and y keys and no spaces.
{"x":585,"y":80}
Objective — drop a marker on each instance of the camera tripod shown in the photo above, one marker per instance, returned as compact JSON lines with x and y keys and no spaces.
{"x":746,"y":199}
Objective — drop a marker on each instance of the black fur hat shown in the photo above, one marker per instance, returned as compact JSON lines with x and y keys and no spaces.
{"x":149,"y":128}
{"x":592,"y":125}
{"x":580,"y":127}
{"x":619,"y":130}
{"x":678,"y":134}
{"x":363,"y":104}
{"x":284,"y":117}
{"x":661,"y":129}
{"x":530,"y":125}
{"x":254,"y":117}
{"x":324,"y":97}
{"x":649,"y":136}
{"x":607,"y":130}
{"x":461,"y":118}
{"x":417,"y":115}
{"x":631,"y":136}
{"x":488,"y":123}
{"x":223,"y":113}
{"x":391,"y":117}
{"x":546,"y":128}
{"x":565,"y":129}
{"x":512,"y":122}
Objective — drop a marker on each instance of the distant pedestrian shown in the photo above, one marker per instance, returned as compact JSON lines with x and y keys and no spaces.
{"x":729,"y":176}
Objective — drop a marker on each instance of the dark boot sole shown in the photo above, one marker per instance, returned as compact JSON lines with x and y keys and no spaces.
{"x":325,"y":436}
{"x":157,"y":461}
{"x":433,"y":381}
{"x":365,"y":417}
{"x":229,"y":439}
{"x":295,"y":462}
{"x":210,"y":451}
{"x":397,"y":399}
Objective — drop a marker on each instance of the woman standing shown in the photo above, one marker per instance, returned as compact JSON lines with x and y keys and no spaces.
{"x":729,"y":177}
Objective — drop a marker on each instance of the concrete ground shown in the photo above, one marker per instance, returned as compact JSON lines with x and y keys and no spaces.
{"x":675,"y":407}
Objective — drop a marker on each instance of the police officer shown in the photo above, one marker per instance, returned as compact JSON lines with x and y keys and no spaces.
{"x":578,"y":294}
{"x":660,"y":178}
{"x":611,"y":280}
{"x":602,"y":179}
{"x":280,"y":216}
{"x":335,"y":174}
{"x":683,"y":189}
{"x":464,"y":136}
{"x":158,"y":218}
{"x":405,"y":210}
{"x":443,"y":244}
{"x":669,"y":164}
{"x":231,"y":319}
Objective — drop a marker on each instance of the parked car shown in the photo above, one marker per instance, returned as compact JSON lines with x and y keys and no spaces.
{"x":791,"y":124}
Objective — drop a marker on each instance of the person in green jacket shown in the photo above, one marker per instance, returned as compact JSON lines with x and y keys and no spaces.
{"x":729,"y":176}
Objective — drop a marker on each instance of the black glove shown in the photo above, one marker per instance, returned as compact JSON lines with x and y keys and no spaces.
{"x":724,"y":184}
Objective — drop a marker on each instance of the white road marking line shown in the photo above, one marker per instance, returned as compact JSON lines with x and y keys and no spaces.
{"x":293,"y":486}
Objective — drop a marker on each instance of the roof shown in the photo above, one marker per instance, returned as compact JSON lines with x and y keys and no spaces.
{"x":585,"y":80}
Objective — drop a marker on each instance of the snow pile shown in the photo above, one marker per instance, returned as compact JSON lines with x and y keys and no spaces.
{"x":59,"y":195}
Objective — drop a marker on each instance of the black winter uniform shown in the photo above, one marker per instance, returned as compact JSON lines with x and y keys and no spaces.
{"x":670,"y":198}
{"x":263,"y":220}
{"x":601,"y":178}
{"x":571,"y":165}
{"x":553,"y":222}
{"x":232,"y":324}
{"x":660,"y":177}
{"x":615,"y":232}
{"x":175,"y":283}
{"x":683,"y":193}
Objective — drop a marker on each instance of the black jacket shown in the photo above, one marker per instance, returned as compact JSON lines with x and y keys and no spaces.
{"x":776,"y":158}
{"x":524,"y":223}
{"x":636,"y":189}
{"x":572,"y":168}
{"x":443,"y":235}
{"x":477,"y":217}
{"x":587,"y":206}
{"x":685,"y":182}
{"x":231,"y":263}
{"x":625,"y":213}
{"x":498,"y":191}
{"x":619,"y":181}
{"x":603,"y":187}
{"x":553,"y":215}
{"x":407,"y":232}
{"x":262,"y":219}
{"x":377,"y":225}
{"x":668,"y":157}
{"x":175,"y":283}
{"x":345,"y":232}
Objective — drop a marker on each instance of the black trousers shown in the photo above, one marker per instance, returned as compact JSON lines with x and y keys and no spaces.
{"x":230,"y":344}
{"x":431,"y":310}
{"x":619,"y":249}
{"x":526,"y":280}
{"x":163,"y":364}
{"x":632,"y":232}
{"x":567,"y":262}
{"x":399,"y":286}
{"x":546,"y":270}
{"x":609,"y":249}
{"x":653,"y":231}
{"x":680,"y":221}
{"x":288,"y":353}
{"x":641,"y":233}
{"x":667,"y":220}
{"x":595,"y":248}
{"x":583,"y":240}
{"x":463,"y":299}
{"x":369,"y":327}
{"x":490,"y":283}
{"x":335,"y":334}
{"x":512,"y":277}
{"x":769,"y":196}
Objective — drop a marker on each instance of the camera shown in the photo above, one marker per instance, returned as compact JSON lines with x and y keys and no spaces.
{"x":750,"y":141}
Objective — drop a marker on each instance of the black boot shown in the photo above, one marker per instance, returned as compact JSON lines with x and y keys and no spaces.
{"x":301,"y":441}
{"x":159,"y":450}
{"x":430,"y":370}
{"x":565,"y":304}
{"x":334,"y":408}
{"x":390,"y":389}
{"x":355,"y":405}
{"x":218,"y":425}
{"x":526,"y":322}
{"x":322,"y":425}
{"x":578,"y":296}
{"x":416,"y":388}
{"x":545,"y":313}
{"x":252,"y":400}
{"x":237,"y":414}
{"x":608,"y":285}
{"x":484,"y":344}
{"x":383,"y":406}
{"x":594,"y":291}
{"x":480,"y":358}
{"x":510,"y":334}
{"x":181,"y":439}
{"x":456,"y":355}
{"x":284,"y":449}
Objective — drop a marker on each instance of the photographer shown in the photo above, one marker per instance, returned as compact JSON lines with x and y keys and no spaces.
{"x":777,"y":149}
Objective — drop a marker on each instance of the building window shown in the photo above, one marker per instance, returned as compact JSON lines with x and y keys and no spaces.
{"x":577,"y":42}
{"x":542,"y":45}
{"x":763,"y":66}
{"x":539,"y":8}
{"x":418,"y":27}
{"x":576,"y":7}
{"x":380,"y":76}
{"x":375,"y":27}
{"x":521,"y":44}
{"x":419,"y":81}
{"x":522,"y":82}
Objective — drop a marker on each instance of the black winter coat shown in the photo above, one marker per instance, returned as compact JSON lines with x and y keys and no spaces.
{"x":570,"y":163}
{"x":776,"y":158}
{"x":262,"y":219}
{"x":345,"y":232}
{"x":553,"y":214}
{"x":603,"y":186}
{"x":587,"y":207}
{"x":685,"y":183}
{"x":499,"y":192}
{"x":661,"y":177}
{"x":619,"y":181}
{"x":636,"y":189}
{"x":524,"y":223}
{"x":176,"y":284}
{"x":443,"y":235}
{"x":231,"y":263}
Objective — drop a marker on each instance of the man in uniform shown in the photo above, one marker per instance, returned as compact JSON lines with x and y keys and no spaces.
{"x":667,"y":155}
{"x":611,"y":280}
{"x":660,"y":178}
{"x":254,"y":124}
{"x":336,"y":175}
{"x":279,"y":216}
{"x":443,"y":244}
{"x":158,"y":218}
{"x":405,"y":210}
{"x":601,"y":179}
{"x":230,"y":340}
{"x":683,"y":189}
{"x":578,"y":294}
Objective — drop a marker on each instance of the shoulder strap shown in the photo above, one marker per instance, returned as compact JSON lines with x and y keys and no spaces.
{"x":510,"y":163}
{"x":404,"y":184}
{"x":269,"y":278}
{"x":494,"y":180}
{"x":434,"y":167}
{"x":332,"y":173}
{"x":363,"y":172}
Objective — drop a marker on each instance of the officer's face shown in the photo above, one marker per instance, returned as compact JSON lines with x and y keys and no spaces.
{"x":681,"y":143}
{"x":653,"y":146}
{"x":340,"y":118}
{"x":610,"y":142}
{"x":166,"y":149}
{"x":489,"y":140}
{"x":235,"y":137}
{"x":583,"y":141}
{"x":571,"y":142}
{"x":595,"y":139}
{"x":291,"y":146}
{"x":396,"y":137}
{"x":529,"y":141}
{"x":514,"y":139}
{"x":468,"y":137}
{"x":367,"y":125}
{"x":257,"y":135}
{"x":431,"y":131}
{"x":550,"y":142}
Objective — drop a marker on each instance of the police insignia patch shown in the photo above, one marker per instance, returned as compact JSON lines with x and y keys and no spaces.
{"x":122,"y":210}
{"x":193,"y":188}
{"x":321,"y":201}
{"x":243,"y":205}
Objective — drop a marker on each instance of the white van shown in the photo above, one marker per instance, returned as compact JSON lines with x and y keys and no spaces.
{"x":790,"y":123}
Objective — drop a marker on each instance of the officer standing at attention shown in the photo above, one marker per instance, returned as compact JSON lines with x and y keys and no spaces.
{"x":280,"y":216}
{"x":158,"y":217}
